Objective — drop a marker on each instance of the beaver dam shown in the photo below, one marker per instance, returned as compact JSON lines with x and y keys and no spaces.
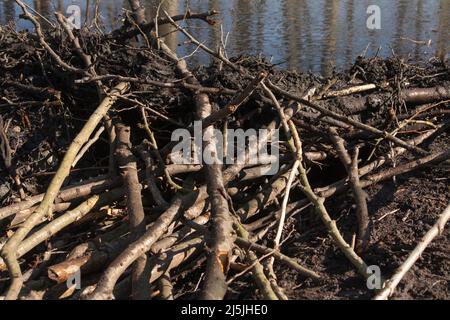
{"x":348,"y":203}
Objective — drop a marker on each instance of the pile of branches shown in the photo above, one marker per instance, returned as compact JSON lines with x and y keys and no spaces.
{"x":96,"y":207}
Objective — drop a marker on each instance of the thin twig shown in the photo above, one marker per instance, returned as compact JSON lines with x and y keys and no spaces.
{"x":87,"y":146}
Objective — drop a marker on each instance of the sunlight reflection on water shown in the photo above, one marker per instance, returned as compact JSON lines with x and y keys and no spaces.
{"x":300,"y":34}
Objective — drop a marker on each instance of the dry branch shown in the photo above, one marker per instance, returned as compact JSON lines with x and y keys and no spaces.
{"x":256,"y":267}
{"x":247,"y":244}
{"x":128,"y":169}
{"x":147,"y":27}
{"x":351,"y":166}
{"x":437,"y":229}
{"x":221,"y":241}
{"x":351,"y":90}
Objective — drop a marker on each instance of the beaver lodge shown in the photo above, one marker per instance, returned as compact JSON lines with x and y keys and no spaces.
{"x":95,"y":204}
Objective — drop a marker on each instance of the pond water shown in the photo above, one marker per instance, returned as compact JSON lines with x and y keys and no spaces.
{"x":314,"y":35}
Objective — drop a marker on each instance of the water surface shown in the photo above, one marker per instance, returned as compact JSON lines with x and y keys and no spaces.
{"x":314,"y":35}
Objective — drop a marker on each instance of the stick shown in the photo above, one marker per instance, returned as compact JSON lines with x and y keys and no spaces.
{"x":437,"y":229}
{"x":349,"y":91}
{"x":174,"y":257}
{"x":150,"y":25}
{"x":87,"y":61}
{"x":351,"y":166}
{"x":97,"y":259}
{"x":87,"y":146}
{"x":165,"y":287}
{"x":260,"y":278}
{"x":270,"y":273}
{"x":154,"y":232}
{"x":236,"y":102}
{"x":250,"y":245}
{"x":380,"y":161}
{"x":6,"y":155}
{"x":228,"y":110}
{"x":263,"y":198}
{"x":269,"y":264}
{"x":425,"y":95}
{"x":221,"y":243}
{"x":172,"y":84}
{"x":150,"y":177}
{"x":288,"y":261}
{"x":407,"y":167}
{"x":128,"y":169}
{"x":257,"y":269}
{"x":340,"y":186}
{"x":284,"y":120}
{"x":291,"y":178}
{"x":144,"y":244}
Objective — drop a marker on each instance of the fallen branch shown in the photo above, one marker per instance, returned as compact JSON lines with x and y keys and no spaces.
{"x":257,"y":269}
{"x":351,"y":166}
{"x":221,"y":241}
{"x":437,"y":229}
{"x":425,"y":95}
{"x":128,"y":169}
{"x":68,"y":194}
{"x":379,"y":162}
{"x":87,"y":146}
{"x":349,"y":91}
{"x":150,"y":177}
{"x":217,"y":54}
{"x":407,"y":167}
